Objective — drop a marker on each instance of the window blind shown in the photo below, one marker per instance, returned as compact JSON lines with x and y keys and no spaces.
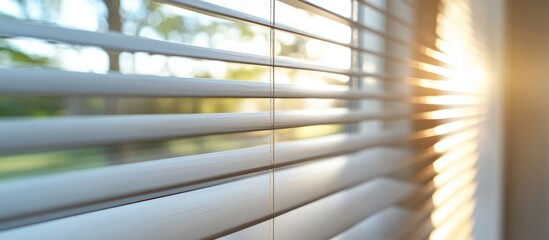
{"x":265,"y":120}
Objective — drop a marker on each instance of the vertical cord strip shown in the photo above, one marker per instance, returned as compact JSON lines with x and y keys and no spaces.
{"x":272,"y":115}
{"x":354,"y":81}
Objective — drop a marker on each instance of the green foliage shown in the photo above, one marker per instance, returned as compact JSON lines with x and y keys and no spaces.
{"x":31,"y":106}
{"x":18,"y":56}
{"x":154,"y":16}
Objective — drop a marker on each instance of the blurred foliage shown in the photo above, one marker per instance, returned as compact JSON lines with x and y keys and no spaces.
{"x":27,"y":105}
{"x":20,"y":56}
{"x":30,"y":106}
{"x":149,"y":16}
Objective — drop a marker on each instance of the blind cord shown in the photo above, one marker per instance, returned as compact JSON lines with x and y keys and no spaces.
{"x":272,"y":116}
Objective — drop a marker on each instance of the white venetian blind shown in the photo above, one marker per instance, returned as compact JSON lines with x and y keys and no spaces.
{"x":191,"y":119}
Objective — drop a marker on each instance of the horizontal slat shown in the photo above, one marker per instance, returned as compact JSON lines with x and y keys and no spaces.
{"x":449,"y":113}
{"x":421,"y":195}
{"x":63,"y":132}
{"x":444,"y":193}
{"x":380,"y":226}
{"x":331,"y":215}
{"x":429,"y":214}
{"x":316,"y":220}
{"x":457,"y":86}
{"x":311,"y":7}
{"x":220,"y":11}
{"x":25,"y":135}
{"x":32,"y":196}
{"x":227,"y":13}
{"x":55,"y":82}
{"x":421,"y":224}
{"x":292,"y":91}
{"x":256,"y":232}
{"x":344,"y":20}
{"x":147,"y":176}
{"x":422,"y":198}
{"x":108,"y":183}
{"x":312,"y":148}
{"x":388,"y":14}
{"x":20,"y":135}
{"x":121,"y":42}
{"x":458,"y":220}
{"x":420,"y":232}
{"x":465,"y":229}
{"x":288,"y":119}
{"x":322,"y":178}
{"x":449,"y":174}
{"x":425,"y":195}
{"x":320,"y":11}
{"x":443,"y":212}
{"x":331,"y":145}
{"x":418,"y":219}
{"x":463,"y":151}
{"x":66,"y":83}
{"x":102,"y":184}
{"x":197,"y":214}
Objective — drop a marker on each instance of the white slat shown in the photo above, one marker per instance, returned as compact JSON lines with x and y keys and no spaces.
{"x":219,"y":11}
{"x":301,"y":184}
{"x":121,"y":42}
{"x":63,"y":132}
{"x":383,"y":225}
{"x":256,"y":232}
{"x":320,"y":223}
{"x":42,"y":194}
{"x":20,"y":135}
{"x":54,"y":82}
{"x":192,"y":215}
{"x":113,"y":182}
{"x":327,"y":217}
